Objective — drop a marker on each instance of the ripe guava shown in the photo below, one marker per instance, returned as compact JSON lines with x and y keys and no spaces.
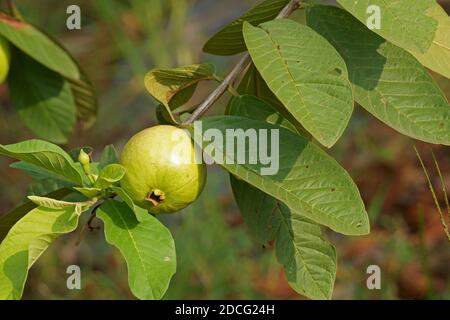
{"x":5,"y":58}
{"x":162,"y":174}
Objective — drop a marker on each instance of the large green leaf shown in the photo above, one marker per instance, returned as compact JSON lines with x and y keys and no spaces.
{"x":309,"y":260}
{"x":146,"y":245}
{"x":253,"y":84}
{"x":26,"y":241}
{"x":39,"y":46}
{"x":174,"y":87}
{"x":403,"y":22}
{"x":306,"y":74}
{"x":44,"y":186}
{"x":388,"y":81}
{"x":47,"y":156}
{"x":229,"y":40}
{"x":10,"y":218}
{"x":437,"y":57}
{"x":251,"y":107}
{"x":42,"y":98}
{"x":308,"y":181}
{"x":34,"y":171}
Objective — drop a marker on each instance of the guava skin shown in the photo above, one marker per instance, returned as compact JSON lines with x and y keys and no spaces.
{"x":5,"y":59}
{"x":162,"y":175}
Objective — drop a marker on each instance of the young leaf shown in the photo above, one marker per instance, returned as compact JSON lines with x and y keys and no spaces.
{"x":308,"y":180}
{"x":42,"y":98}
{"x":109,"y":156}
{"x":47,"y":156}
{"x":174,"y":87}
{"x":37,"y":45}
{"x":26,"y":241}
{"x":50,"y":203}
{"x":229,"y":40}
{"x":10,"y":218}
{"x":437,"y":57}
{"x":403,"y":23}
{"x":388,"y":82}
{"x":89,"y":192}
{"x":147,"y":247}
{"x":109,"y":175}
{"x":305,"y":73}
{"x":309,"y":260}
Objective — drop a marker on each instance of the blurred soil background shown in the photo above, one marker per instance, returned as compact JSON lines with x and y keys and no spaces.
{"x":217,"y":259}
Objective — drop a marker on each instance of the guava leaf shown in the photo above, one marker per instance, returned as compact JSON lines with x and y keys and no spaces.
{"x":10,"y":218}
{"x":251,"y":107}
{"x":109,"y":175}
{"x":44,"y":186}
{"x":437,"y":57}
{"x":229,"y":40}
{"x":388,"y":81}
{"x":147,"y":247}
{"x":88,"y":192}
{"x":26,"y":241}
{"x":253,"y":84}
{"x":308,"y":258}
{"x":50,"y":203}
{"x":38,"y":45}
{"x":174,"y":87}
{"x":403,"y":22}
{"x":42,"y":98}
{"x":308,"y":180}
{"x":34,"y":171}
{"x":109,"y":156}
{"x":305,"y":73}
{"x":46,"y":156}
{"x":140,"y":213}
{"x":51,"y":54}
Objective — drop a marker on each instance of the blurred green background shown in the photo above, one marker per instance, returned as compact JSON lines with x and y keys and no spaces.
{"x":217,"y":259}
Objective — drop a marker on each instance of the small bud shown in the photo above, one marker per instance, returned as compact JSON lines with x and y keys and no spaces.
{"x":84,"y":158}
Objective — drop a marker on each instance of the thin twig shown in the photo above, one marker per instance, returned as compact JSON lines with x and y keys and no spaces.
{"x":430,"y":185}
{"x":242,"y":65}
{"x":89,"y":223}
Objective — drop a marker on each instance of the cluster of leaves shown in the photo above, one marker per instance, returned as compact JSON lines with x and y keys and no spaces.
{"x":47,"y":87}
{"x":70,"y":191}
{"x":303,"y":81}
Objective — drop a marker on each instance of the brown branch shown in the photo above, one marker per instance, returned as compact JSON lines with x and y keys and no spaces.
{"x":242,"y":65}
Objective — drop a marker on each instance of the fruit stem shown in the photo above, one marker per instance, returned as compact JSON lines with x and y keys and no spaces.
{"x":240,"y":67}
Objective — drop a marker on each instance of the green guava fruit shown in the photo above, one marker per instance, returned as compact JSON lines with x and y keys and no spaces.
{"x":162,"y":174}
{"x":5,"y":58}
